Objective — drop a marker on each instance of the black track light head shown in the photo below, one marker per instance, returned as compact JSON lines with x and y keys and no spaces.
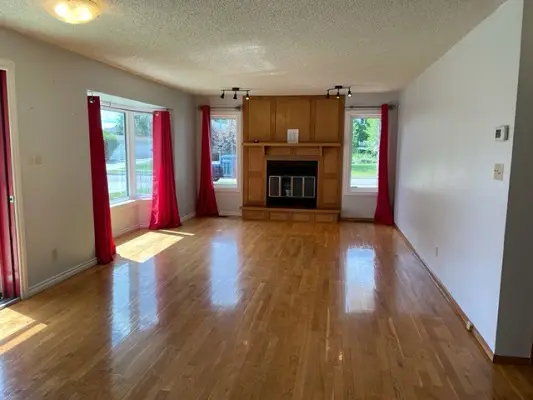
{"x":338,"y":94}
{"x":223,"y":94}
{"x":247,"y":95}
{"x":327,"y":96}
{"x":235,"y":96}
{"x":350,"y":92}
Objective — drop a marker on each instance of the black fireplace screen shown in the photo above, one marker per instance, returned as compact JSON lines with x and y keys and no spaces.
{"x":291,"y":184}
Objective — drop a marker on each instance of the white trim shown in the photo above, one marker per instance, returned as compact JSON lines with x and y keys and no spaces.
{"x":61,"y":277}
{"x":230,"y":213}
{"x":126,"y":230}
{"x":347,"y":190}
{"x":122,"y":203}
{"x":188,"y":217}
{"x":9,"y":67}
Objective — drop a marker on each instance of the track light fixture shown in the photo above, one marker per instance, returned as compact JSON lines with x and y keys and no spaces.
{"x":236,"y":91}
{"x":339,"y":88}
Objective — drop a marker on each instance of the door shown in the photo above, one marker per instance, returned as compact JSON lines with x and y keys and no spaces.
{"x":9,"y":273}
{"x":258,"y":122}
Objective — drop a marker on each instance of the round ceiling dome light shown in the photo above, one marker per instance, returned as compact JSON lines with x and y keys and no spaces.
{"x":74,"y":11}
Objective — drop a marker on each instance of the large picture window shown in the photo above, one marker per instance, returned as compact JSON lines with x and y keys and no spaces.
{"x":224,"y":150}
{"x":363,"y":134}
{"x":128,"y":153}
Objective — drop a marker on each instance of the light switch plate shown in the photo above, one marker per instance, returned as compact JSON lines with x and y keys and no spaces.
{"x":498,"y":172}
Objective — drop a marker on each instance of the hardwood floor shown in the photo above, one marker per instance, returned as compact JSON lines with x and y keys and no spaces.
{"x":230,"y":309}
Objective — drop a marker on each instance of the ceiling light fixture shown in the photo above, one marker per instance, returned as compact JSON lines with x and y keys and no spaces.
{"x":236,"y":91}
{"x":339,"y":88}
{"x":74,"y":11}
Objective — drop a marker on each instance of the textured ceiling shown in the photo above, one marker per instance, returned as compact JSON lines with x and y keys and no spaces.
{"x":272,"y":46}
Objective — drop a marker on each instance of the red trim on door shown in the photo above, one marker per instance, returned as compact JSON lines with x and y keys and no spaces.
{"x":8,"y":239}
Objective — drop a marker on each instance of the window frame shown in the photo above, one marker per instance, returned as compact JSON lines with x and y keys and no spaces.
{"x":126,"y":138}
{"x":348,"y":190}
{"x":129,"y":127}
{"x":237,"y":115}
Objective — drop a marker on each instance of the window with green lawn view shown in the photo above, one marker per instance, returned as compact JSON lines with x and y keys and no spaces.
{"x":365,"y":134}
{"x":128,"y":153}
{"x":224,"y":150}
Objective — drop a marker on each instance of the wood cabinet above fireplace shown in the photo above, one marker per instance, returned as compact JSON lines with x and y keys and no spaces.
{"x":318,"y":119}
{"x":320,"y":122}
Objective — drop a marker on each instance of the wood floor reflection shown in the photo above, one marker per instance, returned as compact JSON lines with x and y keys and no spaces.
{"x":230,"y":309}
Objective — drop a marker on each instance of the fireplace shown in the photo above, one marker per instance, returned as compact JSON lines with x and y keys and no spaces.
{"x":291,"y":184}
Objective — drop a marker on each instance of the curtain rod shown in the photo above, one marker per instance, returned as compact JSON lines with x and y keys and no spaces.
{"x":391,"y":107}
{"x":238,"y":108}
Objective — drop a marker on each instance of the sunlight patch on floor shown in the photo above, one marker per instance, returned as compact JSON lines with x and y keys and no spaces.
{"x":12,"y":322}
{"x":16,"y":339}
{"x":148,"y":245}
{"x":15,"y":328}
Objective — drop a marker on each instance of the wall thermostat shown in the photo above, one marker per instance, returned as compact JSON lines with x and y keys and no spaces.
{"x":502,"y":133}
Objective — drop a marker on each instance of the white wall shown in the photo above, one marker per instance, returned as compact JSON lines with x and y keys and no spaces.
{"x":363,"y":205}
{"x":51,"y":87}
{"x":515,"y":317}
{"x":445,"y":194}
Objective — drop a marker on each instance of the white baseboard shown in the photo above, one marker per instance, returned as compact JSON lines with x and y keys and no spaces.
{"x":61,"y":277}
{"x":230,"y":213}
{"x":126,"y":230}
{"x":188,"y":217}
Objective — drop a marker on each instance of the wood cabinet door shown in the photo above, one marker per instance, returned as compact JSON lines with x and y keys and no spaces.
{"x":330,"y":178}
{"x":254,"y":174}
{"x":259,"y":116}
{"x":293,"y":113}
{"x":328,"y":119}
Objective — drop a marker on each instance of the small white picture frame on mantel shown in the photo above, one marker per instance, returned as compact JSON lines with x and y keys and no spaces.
{"x":292,"y":135}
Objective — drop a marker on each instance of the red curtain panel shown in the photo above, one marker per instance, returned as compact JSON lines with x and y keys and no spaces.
{"x":383,"y":213}
{"x":103,"y":236}
{"x":206,"y":205}
{"x":9,"y":272}
{"x":165,"y":214}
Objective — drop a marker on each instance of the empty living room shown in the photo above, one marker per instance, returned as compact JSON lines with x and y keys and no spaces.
{"x":229,"y":200}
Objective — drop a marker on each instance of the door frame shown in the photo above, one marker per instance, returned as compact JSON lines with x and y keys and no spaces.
{"x":16,"y":167}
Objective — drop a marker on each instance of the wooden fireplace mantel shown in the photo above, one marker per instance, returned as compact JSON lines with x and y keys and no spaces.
{"x":320,"y":122}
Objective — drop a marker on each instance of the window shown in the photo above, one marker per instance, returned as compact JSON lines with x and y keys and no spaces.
{"x":128,"y":153}
{"x":116,"y":161}
{"x":362,"y":152}
{"x":142,"y":125}
{"x":224,"y":150}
